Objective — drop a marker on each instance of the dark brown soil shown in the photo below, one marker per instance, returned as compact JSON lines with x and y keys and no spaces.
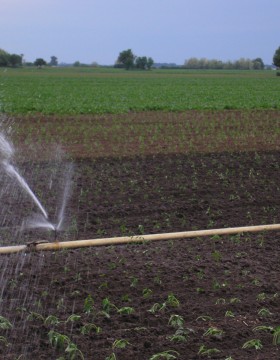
{"x":229,"y":283}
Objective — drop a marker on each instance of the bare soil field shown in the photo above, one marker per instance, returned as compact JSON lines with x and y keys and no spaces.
{"x":215,"y":297}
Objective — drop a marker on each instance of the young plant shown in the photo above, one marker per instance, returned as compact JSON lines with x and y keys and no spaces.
{"x":134,"y":281}
{"x":200,"y":274}
{"x":157,"y":280}
{"x":216,"y":285}
{"x":58,"y":340}
{"x":157,"y":307}
{"x":61,"y":341}
{"x":126,"y":310}
{"x":51,"y":320}
{"x":72,"y":318}
{"x":126,"y":298}
{"x":253,"y":343}
{"x":89,"y":304}
{"x":220,"y":301}
{"x":176,"y":321}
{"x":112,"y":265}
{"x":229,"y":313}
{"x":77,"y":277}
{"x":276,"y":336}
{"x":141,"y":229}
{"x":103,"y":285}
{"x":74,"y":352}
{"x":107,"y":306}
{"x":213,"y":331}
{"x":204,"y":351}
{"x":264,"y":312}
{"x":5,"y":324}
{"x":168,"y":355}
{"x":261,"y":297}
{"x":204,"y":318}
{"x":35,"y":316}
{"x":147,"y":293}
{"x":200,"y":290}
{"x":234,"y":300}
{"x":256,"y":282}
{"x":216,"y":255}
{"x":111,"y":357}
{"x":172,"y":300}
{"x":60,"y":304}
{"x":180,"y":335}
{"x":4,"y":341}
{"x":88,"y":328}
{"x":120,"y":344}
{"x":263,"y":328}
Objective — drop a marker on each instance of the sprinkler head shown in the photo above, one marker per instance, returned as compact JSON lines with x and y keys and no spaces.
{"x":55,"y":234}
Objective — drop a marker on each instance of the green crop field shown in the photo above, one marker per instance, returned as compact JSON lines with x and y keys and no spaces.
{"x":99,"y":91}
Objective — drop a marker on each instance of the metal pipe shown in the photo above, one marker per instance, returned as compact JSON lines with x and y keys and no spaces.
{"x":40,"y":246}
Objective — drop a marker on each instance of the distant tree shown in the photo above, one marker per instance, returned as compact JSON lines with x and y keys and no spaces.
{"x":39,"y":62}
{"x":15,"y":60}
{"x":126,"y":58}
{"x":150,"y":63}
{"x":243,"y":64}
{"x":144,"y":63}
{"x":228,"y":65}
{"x":258,"y":64}
{"x":4,"y":58}
{"x":192,"y":63}
{"x":7,"y":59}
{"x":53,"y":61}
{"x":276,"y":58}
{"x":141,"y":62}
{"x":77,"y":63}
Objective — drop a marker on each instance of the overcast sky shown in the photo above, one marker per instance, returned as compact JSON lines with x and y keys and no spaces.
{"x":166,"y":30}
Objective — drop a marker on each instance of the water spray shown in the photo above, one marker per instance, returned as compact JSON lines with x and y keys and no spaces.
{"x":40,"y":220}
{"x":6,"y":155}
{"x":13,"y":172}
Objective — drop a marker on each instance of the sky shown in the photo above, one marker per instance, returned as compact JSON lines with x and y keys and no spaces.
{"x":169,"y":31}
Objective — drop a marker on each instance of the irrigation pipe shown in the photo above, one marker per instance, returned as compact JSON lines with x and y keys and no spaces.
{"x":38,"y":246}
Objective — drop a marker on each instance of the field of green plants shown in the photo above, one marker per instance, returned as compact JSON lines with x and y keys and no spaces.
{"x":153,"y":152}
{"x":98,"y":91}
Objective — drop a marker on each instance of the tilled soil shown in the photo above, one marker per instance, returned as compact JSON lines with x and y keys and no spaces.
{"x":230,"y":284}
{"x":221,"y":289}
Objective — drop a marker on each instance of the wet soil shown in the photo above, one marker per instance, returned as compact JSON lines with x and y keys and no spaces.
{"x":221,"y":288}
{"x":230,"y":284}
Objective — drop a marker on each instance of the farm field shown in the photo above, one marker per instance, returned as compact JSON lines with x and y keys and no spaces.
{"x":101,"y":91}
{"x":135,"y":173}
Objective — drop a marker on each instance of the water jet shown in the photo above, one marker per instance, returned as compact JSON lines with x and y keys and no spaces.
{"x":37,"y":220}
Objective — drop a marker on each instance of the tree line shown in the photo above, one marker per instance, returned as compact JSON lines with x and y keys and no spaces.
{"x":7,"y":59}
{"x":15,"y":60}
{"x":241,"y":64}
{"x":128,"y":60}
